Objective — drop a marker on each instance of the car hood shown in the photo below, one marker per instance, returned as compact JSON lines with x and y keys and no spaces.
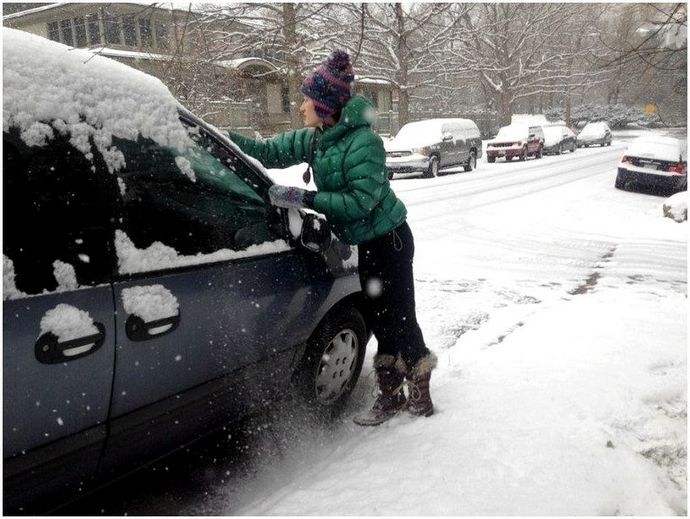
{"x":410,"y":144}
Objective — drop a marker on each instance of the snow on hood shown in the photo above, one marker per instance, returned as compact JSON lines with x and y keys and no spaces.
{"x":512,"y":133}
{"x":49,"y":87}
{"x":660,"y":148}
{"x":415,"y":135}
{"x":552,"y":135}
{"x":595,"y":129}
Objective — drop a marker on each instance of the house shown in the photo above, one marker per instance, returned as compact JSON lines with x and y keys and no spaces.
{"x":247,"y":92}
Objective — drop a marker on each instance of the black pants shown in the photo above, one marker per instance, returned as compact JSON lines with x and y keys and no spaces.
{"x":385,"y":271}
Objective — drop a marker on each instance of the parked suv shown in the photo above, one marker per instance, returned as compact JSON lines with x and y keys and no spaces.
{"x":432,"y":144}
{"x":152,"y":293}
{"x":516,"y":140}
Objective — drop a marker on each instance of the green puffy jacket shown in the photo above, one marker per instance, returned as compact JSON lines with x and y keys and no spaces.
{"x":348,"y":161}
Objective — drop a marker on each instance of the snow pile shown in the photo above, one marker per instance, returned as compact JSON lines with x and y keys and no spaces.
{"x":658,"y":147}
{"x":65,"y":276}
{"x":676,"y":207}
{"x":159,"y":256}
{"x":9,"y":287}
{"x":512,"y":133}
{"x":83,"y":95}
{"x":416,"y":135}
{"x":150,"y":303}
{"x":67,"y":322}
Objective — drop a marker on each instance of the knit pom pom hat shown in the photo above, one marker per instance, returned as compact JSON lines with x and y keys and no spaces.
{"x":330,"y":85}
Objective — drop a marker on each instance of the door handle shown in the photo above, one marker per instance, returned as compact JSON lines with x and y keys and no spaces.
{"x":49,"y":350}
{"x":139,"y":330}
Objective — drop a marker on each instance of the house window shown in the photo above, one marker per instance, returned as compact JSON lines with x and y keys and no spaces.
{"x":66,"y":30}
{"x":80,"y":31}
{"x":94,"y":27}
{"x":53,"y":31}
{"x":161,"y":35}
{"x":285,"y":97}
{"x":129,"y":29}
{"x":145,"y":32}
{"x":112,"y":29}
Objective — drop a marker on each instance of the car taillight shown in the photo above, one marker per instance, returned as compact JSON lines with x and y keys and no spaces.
{"x":676,"y":168}
{"x":626,"y":160}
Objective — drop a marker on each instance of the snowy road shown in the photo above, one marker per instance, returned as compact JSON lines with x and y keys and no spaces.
{"x":558,"y":308}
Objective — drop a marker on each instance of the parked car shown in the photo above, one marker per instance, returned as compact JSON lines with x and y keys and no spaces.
{"x":595,"y":133}
{"x":516,"y":140}
{"x":557,"y":139}
{"x":152,"y":294}
{"x":432,"y":144}
{"x":654,"y":160}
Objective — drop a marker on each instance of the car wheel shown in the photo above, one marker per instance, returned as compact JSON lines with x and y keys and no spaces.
{"x":560,"y":149}
{"x":390,"y":175}
{"x":432,"y":171}
{"x":538,"y":155}
{"x":572,"y":150}
{"x":491,"y":160}
{"x":586,"y":145}
{"x":523,"y":155}
{"x":332,"y":362}
{"x":471,"y":162}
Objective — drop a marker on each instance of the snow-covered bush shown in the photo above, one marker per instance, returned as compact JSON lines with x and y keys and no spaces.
{"x":676,"y":207}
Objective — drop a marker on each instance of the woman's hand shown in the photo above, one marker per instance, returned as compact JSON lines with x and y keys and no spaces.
{"x":290,"y":196}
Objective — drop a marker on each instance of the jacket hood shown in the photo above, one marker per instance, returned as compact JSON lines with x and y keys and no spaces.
{"x":358,"y":111}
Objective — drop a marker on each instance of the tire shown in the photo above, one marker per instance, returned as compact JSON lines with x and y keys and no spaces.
{"x":332,"y":362}
{"x":432,"y":171}
{"x":586,"y":145}
{"x":572,"y":150}
{"x":539,"y":153}
{"x":523,"y":155}
{"x":560,"y":149}
{"x":390,"y":175}
{"x":491,"y":160}
{"x":471,"y":162}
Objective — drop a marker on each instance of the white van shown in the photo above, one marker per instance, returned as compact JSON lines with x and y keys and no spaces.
{"x":432,"y":144}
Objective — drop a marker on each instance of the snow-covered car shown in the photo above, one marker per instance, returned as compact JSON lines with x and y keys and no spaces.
{"x":516,"y":140}
{"x":151,"y":292}
{"x":656,"y":161}
{"x":595,"y":133}
{"x":558,"y":139}
{"x":432,"y":144}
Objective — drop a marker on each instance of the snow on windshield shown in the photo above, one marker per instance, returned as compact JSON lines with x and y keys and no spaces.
{"x":512,"y":133}
{"x":49,"y":87}
{"x":593,"y":129}
{"x":416,"y":135}
{"x":552,"y":134}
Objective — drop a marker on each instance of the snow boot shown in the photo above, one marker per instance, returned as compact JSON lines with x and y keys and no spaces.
{"x":390,"y":378}
{"x":418,"y":378}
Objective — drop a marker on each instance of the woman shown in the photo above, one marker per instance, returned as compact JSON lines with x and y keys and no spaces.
{"x":348,"y":161}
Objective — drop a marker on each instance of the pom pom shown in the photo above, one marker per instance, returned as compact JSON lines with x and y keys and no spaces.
{"x":340,"y":60}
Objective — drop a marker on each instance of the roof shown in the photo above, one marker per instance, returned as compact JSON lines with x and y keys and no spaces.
{"x":117,"y":53}
{"x":168,"y":6}
{"x":242,"y":63}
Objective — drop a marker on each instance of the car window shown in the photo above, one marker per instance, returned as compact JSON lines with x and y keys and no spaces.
{"x":57,"y":209}
{"x":196,"y":201}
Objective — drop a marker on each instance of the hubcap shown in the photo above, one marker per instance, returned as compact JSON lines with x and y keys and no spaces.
{"x":337,"y":366}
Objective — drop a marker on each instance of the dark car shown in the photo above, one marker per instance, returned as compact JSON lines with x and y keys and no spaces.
{"x":432,"y":144}
{"x":558,"y":139}
{"x":152,"y":294}
{"x":654,"y":161}
{"x":595,"y":133}
{"x":516,"y":140}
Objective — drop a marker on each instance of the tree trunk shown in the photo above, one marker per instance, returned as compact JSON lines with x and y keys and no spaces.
{"x":505,"y":108}
{"x":401,"y":51}
{"x":294,"y":78}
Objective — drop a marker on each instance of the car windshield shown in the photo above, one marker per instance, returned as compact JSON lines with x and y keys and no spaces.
{"x":593,"y":129}
{"x":512,"y":133}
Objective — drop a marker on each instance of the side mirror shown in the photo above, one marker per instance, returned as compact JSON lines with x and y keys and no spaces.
{"x":316,"y":233}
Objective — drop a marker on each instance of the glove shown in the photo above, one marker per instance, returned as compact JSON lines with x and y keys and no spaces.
{"x":289,"y":196}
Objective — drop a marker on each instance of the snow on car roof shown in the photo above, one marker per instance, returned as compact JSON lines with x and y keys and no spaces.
{"x":49,"y":87}
{"x":655,"y":147}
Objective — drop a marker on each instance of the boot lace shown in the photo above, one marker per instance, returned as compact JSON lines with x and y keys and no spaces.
{"x":375,"y":392}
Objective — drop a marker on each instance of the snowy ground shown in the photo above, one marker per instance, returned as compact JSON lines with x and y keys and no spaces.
{"x":557,"y":306}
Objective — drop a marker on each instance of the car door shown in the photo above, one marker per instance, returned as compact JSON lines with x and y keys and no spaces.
{"x":461,"y":145}
{"x":448,"y":150}
{"x":58,"y":332}
{"x":211,"y":302}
